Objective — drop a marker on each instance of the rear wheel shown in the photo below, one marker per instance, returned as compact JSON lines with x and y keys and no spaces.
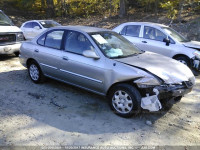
{"x":125,"y":100}
{"x":35,"y":72}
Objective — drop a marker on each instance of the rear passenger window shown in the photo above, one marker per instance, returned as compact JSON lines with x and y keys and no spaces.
{"x":123,"y":32}
{"x":35,"y":24}
{"x":54,"y":39}
{"x":41,"y":40}
{"x":28,"y":25}
{"x":131,"y":30}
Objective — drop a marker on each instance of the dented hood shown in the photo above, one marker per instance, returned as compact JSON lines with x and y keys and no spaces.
{"x":192,"y":44}
{"x":9,"y":29}
{"x":170,"y":70}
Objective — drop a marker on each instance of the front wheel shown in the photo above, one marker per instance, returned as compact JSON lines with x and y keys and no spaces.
{"x":125,"y":100}
{"x":184,"y":60}
{"x":35,"y":72}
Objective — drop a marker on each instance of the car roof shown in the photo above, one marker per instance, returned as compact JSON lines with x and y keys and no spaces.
{"x":87,"y":29}
{"x":146,"y":23}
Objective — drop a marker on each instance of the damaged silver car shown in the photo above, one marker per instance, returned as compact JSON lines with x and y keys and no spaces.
{"x":104,"y":62}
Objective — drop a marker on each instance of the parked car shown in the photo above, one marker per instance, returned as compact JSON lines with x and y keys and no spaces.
{"x":10,"y":36}
{"x":163,"y":40}
{"x":34,"y":27}
{"x":104,"y":62}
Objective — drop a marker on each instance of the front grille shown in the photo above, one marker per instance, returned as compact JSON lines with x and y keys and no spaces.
{"x":7,"y":38}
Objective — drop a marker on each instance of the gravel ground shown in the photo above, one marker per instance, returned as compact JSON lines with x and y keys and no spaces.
{"x":29,"y":116}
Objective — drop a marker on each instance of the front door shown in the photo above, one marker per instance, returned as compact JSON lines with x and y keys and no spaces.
{"x":77,"y":69}
{"x":153,"y":41}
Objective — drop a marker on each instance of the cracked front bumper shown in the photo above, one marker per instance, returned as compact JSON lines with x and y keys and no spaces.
{"x":170,"y":91}
{"x":166,"y":92}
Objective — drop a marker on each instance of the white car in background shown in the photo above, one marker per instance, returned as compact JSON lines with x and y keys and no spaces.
{"x":33,"y":28}
{"x":162,"y":39}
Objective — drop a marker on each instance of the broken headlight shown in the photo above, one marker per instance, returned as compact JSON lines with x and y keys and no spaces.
{"x":147,"y":82}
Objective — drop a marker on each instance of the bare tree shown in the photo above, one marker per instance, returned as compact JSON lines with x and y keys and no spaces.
{"x":181,"y":2}
{"x":122,"y":9}
{"x":50,"y":8}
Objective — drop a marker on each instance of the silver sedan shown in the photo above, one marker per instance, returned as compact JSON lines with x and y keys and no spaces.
{"x":104,"y":62}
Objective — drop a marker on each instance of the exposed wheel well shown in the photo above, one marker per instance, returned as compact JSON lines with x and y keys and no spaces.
{"x":130,"y":82}
{"x":28,"y":61}
{"x":182,"y":55}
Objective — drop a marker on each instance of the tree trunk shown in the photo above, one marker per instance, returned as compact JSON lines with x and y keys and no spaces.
{"x":64,"y":7}
{"x":111,"y":8}
{"x":156,"y":7}
{"x":181,"y":2}
{"x":43,"y":6}
{"x":122,"y":9}
{"x":50,"y":8}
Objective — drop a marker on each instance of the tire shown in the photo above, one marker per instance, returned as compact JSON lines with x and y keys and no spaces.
{"x":16,"y":54}
{"x":35,"y":72}
{"x":184,"y":60}
{"x":178,"y":99}
{"x":125,"y":100}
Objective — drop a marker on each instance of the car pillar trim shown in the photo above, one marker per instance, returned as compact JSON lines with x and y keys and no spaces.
{"x":92,"y":79}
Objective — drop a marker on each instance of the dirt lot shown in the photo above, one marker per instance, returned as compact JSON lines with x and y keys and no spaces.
{"x":28,"y":116}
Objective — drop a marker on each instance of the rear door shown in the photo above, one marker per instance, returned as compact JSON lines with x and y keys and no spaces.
{"x":27,"y":30}
{"x":132,"y":33}
{"x":35,"y":31}
{"x":48,"y":52}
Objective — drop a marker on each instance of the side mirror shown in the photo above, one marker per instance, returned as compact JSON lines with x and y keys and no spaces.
{"x":37,"y":27}
{"x":90,"y":54}
{"x":167,"y":41}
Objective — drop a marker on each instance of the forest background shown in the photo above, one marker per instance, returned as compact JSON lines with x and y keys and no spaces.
{"x":183,"y":15}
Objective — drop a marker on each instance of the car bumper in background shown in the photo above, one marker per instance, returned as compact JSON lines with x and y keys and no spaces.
{"x":10,"y":49}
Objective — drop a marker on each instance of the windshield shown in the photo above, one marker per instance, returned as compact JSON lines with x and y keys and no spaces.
{"x":114,"y":45}
{"x":4,"y":20}
{"x":175,"y":35}
{"x":49,"y":23}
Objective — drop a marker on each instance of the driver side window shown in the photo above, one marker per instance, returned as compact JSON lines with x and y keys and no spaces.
{"x":77,"y":43}
{"x":153,"y":34}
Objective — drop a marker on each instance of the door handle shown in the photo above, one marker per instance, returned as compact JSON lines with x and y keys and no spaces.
{"x":36,"y":50}
{"x":144,"y":41}
{"x":65,"y":58}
